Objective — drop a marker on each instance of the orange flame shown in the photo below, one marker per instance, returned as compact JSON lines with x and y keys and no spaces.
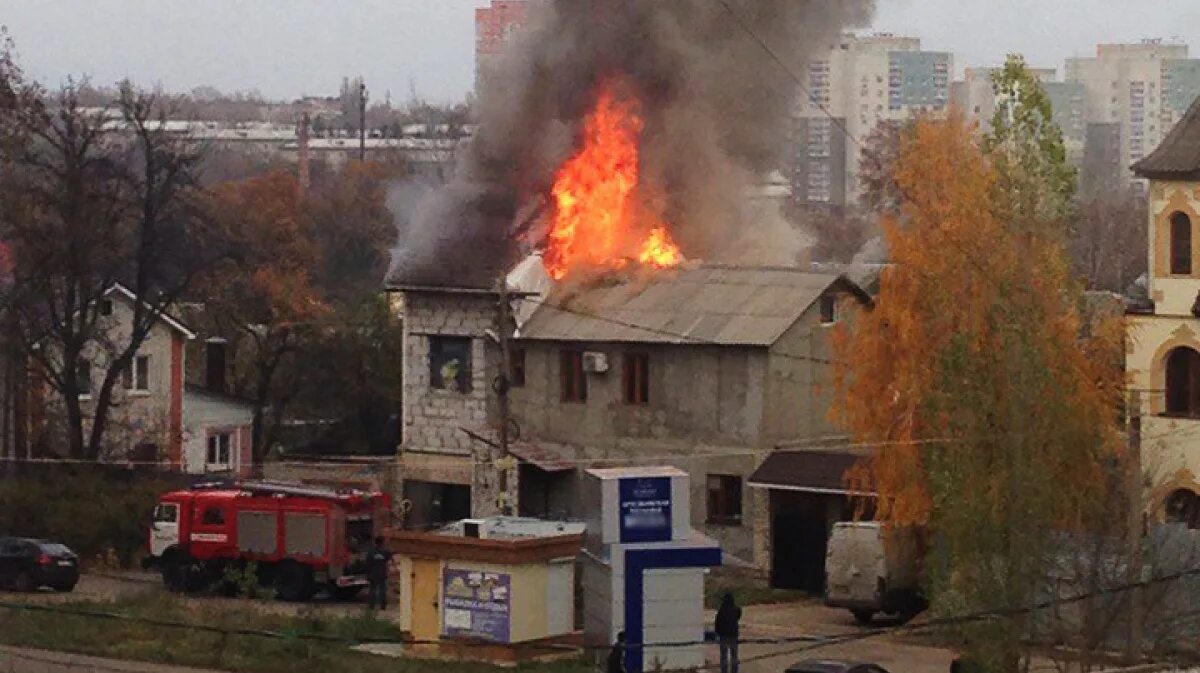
{"x":600,"y":217}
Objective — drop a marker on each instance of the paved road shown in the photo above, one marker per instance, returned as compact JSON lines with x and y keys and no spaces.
{"x":23,"y":660}
{"x":812,"y":619}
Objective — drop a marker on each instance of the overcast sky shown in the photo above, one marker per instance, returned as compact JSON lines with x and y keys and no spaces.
{"x":285,"y":48}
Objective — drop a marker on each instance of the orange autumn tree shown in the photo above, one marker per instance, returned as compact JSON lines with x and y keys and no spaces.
{"x":263,"y":294}
{"x":993,"y":405}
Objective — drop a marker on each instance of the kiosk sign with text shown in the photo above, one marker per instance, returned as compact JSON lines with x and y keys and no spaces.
{"x":645,"y":509}
{"x":476,"y":605}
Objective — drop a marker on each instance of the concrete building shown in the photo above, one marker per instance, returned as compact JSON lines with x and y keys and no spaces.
{"x":1163,"y":353}
{"x":705,"y":368}
{"x":860,"y":82}
{"x":1142,"y":88}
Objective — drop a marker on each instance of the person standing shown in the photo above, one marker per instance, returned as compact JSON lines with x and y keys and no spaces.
{"x":379,"y":561}
{"x":616,"y":656}
{"x":728,"y":616}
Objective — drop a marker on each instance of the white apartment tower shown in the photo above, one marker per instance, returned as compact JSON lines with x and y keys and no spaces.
{"x":1135,"y":93}
{"x":859,"y":83}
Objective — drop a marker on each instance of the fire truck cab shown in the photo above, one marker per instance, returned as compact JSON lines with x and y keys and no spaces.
{"x":300,"y":538}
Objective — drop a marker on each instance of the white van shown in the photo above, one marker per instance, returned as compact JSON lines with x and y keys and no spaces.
{"x":870,"y":569}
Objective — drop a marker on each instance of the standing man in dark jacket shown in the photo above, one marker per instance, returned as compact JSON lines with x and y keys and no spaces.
{"x":728,"y":616}
{"x":379,"y":561}
{"x":616,"y":656}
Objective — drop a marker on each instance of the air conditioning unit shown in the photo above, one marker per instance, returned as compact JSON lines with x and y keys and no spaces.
{"x":473,"y":528}
{"x":594,"y":362}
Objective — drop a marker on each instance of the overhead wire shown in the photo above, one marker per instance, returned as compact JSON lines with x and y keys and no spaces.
{"x":809,"y":641}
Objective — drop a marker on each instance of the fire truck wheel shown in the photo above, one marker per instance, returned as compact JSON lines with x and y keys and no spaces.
{"x":174,"y":572}
{"x":294,"y":582}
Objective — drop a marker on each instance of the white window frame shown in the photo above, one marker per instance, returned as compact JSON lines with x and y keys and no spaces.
{"x":133,"y":381}
{"x":231,"y":447}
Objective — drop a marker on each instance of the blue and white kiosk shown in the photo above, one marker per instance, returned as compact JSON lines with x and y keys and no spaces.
{"x":644,"y":566}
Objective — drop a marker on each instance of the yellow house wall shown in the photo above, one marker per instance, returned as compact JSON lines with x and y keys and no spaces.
{"x":404,"y":616}
{"x":1170,"y":446}
{"x":1173,"y":294}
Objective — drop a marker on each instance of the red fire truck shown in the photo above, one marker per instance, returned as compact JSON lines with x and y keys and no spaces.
{"x":300,"y":538}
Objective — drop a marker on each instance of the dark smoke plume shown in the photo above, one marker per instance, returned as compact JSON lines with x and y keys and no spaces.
{"x":716,"y":109}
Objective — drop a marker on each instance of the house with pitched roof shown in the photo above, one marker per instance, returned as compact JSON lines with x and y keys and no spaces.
{"x":707,"y":367}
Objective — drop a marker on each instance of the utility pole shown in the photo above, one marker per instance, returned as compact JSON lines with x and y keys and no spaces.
{"x":1134,"y":480}
{"x":362,"y":120}
{"x":503,"y":323}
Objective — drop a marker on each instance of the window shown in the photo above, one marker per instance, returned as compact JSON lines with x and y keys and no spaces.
{"x":574,"y":383}
{"x":516,"y":367}
{"x":137,"y":375}
{"x":218,"y":450}
{"x":214,"y":365}
{"x":829,"y":309}
{"x":146,"y":453}
{"x":213,"y":516}
{"x":637,"y":378}
{"x":1183,"y":506}
{"x":1181,"y":244}
{"x":83,"y":378}
{"x":106,"y":307}
{"x":725,"y":499}
{"x":166,"y":513}
{"x":450,"y":363}
{"x":1183,"y":382}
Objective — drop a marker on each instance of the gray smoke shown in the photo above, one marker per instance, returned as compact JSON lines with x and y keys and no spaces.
{"x":716,"y":107}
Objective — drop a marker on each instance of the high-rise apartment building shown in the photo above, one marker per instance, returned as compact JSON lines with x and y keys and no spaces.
{"x":494,"y":25}
{"x":861,"y":82}
{"x":1135,"y":93}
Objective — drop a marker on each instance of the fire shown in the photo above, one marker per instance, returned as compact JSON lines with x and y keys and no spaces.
{"x":600,"y":215}
{"x":658,"y":250}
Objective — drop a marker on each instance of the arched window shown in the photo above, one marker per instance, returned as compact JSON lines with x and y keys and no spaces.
{"x":1181,"y":244}
{"x":1183,"y":382}
{"x":1183,"y":506}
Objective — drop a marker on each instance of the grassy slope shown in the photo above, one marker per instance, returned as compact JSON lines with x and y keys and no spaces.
{"x":190,"y":647}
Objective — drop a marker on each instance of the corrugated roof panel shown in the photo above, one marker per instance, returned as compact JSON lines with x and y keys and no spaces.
{"x":762,"y":330}
{"x":716,"y":304}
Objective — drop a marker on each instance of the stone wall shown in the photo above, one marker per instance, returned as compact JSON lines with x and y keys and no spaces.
{"x":434,"y":418}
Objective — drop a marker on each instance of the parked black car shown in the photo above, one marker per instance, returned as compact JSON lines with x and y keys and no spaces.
{"x":26,"y":565}
{"x":834,"y":666}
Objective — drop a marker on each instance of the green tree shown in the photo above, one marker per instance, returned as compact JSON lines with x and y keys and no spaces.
{"x":1026,"y":149}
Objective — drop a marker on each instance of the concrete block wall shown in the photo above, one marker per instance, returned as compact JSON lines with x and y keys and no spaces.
{"x":434,"y":418}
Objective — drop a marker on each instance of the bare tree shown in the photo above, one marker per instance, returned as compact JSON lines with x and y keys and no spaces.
{"x":89,"y":199}
{"x":1109,"y":239}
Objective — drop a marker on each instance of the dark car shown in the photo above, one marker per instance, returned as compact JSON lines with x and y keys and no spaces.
{"x":834,"y":666}
{"x":27,"y":564}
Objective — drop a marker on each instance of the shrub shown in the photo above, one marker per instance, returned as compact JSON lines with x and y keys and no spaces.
{"x":98,"y":512}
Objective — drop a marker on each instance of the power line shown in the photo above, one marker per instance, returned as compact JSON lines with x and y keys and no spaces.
{"x":810,"y":642}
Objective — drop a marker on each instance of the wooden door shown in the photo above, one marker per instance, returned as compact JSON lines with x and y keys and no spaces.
{"x":426,"y":594}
